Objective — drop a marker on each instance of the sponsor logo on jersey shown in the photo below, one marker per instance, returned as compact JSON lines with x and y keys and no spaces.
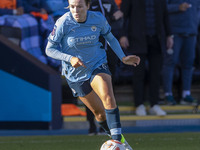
{"x":80,"y":40}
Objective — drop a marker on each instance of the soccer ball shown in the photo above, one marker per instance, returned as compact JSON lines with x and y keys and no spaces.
{"x":112,"y":145}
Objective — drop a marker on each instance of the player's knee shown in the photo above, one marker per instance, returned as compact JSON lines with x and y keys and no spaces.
{"x":109,"y":102}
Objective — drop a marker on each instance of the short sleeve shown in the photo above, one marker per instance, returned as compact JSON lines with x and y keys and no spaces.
{"x":105,"y":26}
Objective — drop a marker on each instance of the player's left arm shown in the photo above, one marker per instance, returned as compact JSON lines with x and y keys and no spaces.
{"x":114,"y":44}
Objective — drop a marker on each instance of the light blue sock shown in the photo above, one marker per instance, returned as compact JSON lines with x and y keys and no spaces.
{"x":113,"y":121}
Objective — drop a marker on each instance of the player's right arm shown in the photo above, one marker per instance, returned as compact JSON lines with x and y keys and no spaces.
{"x":54,"y":40}
{"x":53,"y":46}
{"x":52,"y":50}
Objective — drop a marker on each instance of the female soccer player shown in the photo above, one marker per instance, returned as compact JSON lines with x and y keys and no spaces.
{"x":75,"y":41}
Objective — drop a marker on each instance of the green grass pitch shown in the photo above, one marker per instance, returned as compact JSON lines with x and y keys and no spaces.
{"x":155,"y":141}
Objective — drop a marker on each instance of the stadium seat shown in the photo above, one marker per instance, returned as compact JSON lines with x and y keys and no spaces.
{"x":12,"y":33}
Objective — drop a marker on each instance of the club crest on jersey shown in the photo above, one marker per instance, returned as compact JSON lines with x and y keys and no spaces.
{"x":94,"y":28}
{"x":54,"y":30}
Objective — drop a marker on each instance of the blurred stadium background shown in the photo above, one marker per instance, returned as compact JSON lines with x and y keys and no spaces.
{"x":35,"y":100}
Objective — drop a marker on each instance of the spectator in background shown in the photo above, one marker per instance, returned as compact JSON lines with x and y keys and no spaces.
{"x":147,"y":35}
{"x":114,"y":17}
{"x":45,"y":25}
{"x":56,"y":8}
{"x":12,"y":15}
{"x":184,"y":22}
{"x":11,"y":8}
{"x":118,"y":2}
{"x":197,"y":54}
{"x":45,"y":22}
{"x":34,"y":6}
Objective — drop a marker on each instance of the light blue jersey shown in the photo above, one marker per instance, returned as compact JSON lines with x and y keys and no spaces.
{"x":70,"y":38}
